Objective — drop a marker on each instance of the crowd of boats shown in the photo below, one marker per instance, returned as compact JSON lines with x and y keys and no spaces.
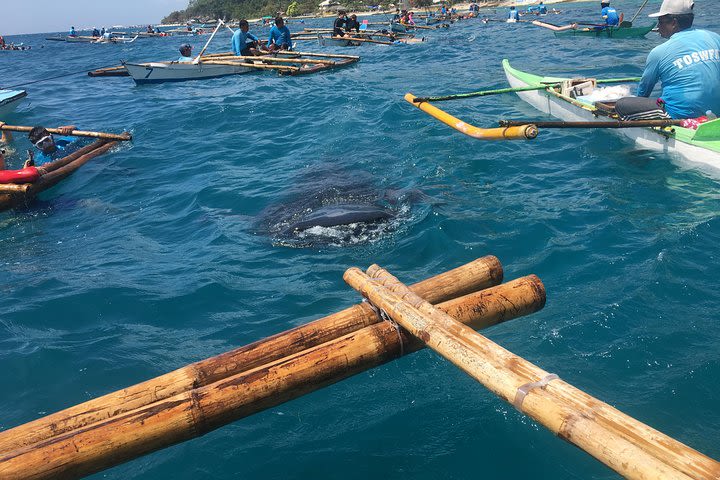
{"x":579,"y":102}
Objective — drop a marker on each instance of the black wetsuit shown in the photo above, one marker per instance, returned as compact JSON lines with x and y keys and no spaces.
{"x":351,"y":25}
{"x":338,"y":27}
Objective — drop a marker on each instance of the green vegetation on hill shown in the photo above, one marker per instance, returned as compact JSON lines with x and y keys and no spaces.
{"x":237,"y":9}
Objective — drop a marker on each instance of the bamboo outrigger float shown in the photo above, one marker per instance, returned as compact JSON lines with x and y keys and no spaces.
{"x":523,"y":132}
{"x":201,"y":397}
{"x":20,"y":194}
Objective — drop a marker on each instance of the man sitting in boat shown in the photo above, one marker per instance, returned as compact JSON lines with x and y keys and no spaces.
{"x":687,"y":65}
{"x":609,"y":14}
{"x":338,"y":30}
{"x":512,"y":15}
{"x":279,"y":36}
{"x":51,"y":147}
{"x":352,"y":24}
{"x":185,"y":53}
{"x":95,"y":32}
{"x":244,"y":42}
{"x":72,"y":32}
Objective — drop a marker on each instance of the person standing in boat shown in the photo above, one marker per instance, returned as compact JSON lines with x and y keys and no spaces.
{"x":338,"y":26}
{"x":243,"y":42}
{"x":279,"y":36}
{"x":352,"y":24}
{"x":687,"y":66}
{"x":513,"y":15}
{"x":185,"y":53}
{"x":609,"y":14}
{"x":542,"y":9}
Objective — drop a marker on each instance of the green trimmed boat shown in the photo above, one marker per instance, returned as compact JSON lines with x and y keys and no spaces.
{"x":699,"y":148}
{"x":609,"y":32}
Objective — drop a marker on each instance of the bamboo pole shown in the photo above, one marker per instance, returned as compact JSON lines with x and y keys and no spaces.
{"x":477,"y":275}
{"x":193,"y":413}
{"x":75,"y":133}
{"x":627,"y":446}
{"x":590,"y":124}
{"x":14,"y":188}
{"x":524,"y":132}
{"x":259,"y":66}
{"x":278,"y":60}
{"x":328,"y":55}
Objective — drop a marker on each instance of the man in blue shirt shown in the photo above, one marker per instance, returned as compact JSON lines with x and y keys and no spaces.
{"x":279,"y":36}
{"x":51,"y":147}
{"x":512,"y":15}
{"x":609,"y":14}
{"x":687,"y":65}
{"x":185,"y":53}
{"x":72,"y":32}
{"x":240,"y":43}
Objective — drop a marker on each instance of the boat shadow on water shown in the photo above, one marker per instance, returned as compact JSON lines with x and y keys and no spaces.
{"x":341,"y":215}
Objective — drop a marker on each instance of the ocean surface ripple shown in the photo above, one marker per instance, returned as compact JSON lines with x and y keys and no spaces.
{"x":173,"y":248}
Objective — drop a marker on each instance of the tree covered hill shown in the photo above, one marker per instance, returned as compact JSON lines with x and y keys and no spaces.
{"x":237,"y":9}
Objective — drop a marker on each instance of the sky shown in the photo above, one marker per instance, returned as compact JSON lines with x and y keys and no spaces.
{"x":59,"y":15}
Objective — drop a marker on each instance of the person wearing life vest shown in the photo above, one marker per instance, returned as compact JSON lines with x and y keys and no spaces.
{"x":609,"y":14}
{"x":687,"y":65}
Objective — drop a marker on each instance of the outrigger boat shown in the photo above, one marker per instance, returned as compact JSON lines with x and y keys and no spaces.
{"x":224,"y":64}
{"x":697,"y":146}
{"x":603,"y":31}
{"x":356,"y":40}
{"x":9,"y":99}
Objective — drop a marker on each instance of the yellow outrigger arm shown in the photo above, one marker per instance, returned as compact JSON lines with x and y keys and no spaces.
{"x":522,"y":132}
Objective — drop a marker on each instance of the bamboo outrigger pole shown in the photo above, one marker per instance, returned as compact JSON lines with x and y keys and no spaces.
{"x":622,"y":443}
{"x":524,"y":132}
{"x":477,"y":275}
{"x":193,"y":413}
{"x":75,"y":133}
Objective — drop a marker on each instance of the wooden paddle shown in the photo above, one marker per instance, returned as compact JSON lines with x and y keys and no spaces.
{"x":74,"y":133}
{"x":630,"y":23}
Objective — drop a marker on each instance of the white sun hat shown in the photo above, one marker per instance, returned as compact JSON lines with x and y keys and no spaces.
{"x":674,"y":7}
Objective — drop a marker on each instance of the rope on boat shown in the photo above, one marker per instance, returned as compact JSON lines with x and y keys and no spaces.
{"x":56,"y":77}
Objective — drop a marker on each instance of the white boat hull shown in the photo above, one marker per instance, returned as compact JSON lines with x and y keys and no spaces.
{"x":9,"y":100}
{"x":159,"y":72}
{"x":643,"y":137}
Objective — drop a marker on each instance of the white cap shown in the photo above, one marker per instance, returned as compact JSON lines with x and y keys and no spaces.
{"x":674,"y":7}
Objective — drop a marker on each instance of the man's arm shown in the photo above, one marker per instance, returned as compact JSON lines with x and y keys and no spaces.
{"x":650,"y":76}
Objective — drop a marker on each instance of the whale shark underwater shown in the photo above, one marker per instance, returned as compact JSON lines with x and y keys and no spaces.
{"x":338,"y":214}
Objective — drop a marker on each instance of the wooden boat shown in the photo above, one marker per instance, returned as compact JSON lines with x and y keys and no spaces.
{"x":700,"y":147}
{"x":331,"y":41}
{"x":221,"y":65}
{"x":12,"y":194}
{"x":159,"y":72}
{"x":9,"y":99}
{"x":80,"y":39}
{"x":609,"y":32}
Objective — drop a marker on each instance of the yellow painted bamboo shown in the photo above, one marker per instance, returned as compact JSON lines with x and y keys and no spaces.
{"x":195,"y":412}
{"x":479,"y":274}
{"x":523,"y":132}
{"x":629,"y":447}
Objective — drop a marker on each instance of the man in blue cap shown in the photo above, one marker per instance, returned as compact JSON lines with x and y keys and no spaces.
{"x":609,"y":14}
{"x":185,"y":52}
{"x":687,"y":65}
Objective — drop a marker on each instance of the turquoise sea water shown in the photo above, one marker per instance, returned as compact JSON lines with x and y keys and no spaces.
{"x":171,"y":249}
